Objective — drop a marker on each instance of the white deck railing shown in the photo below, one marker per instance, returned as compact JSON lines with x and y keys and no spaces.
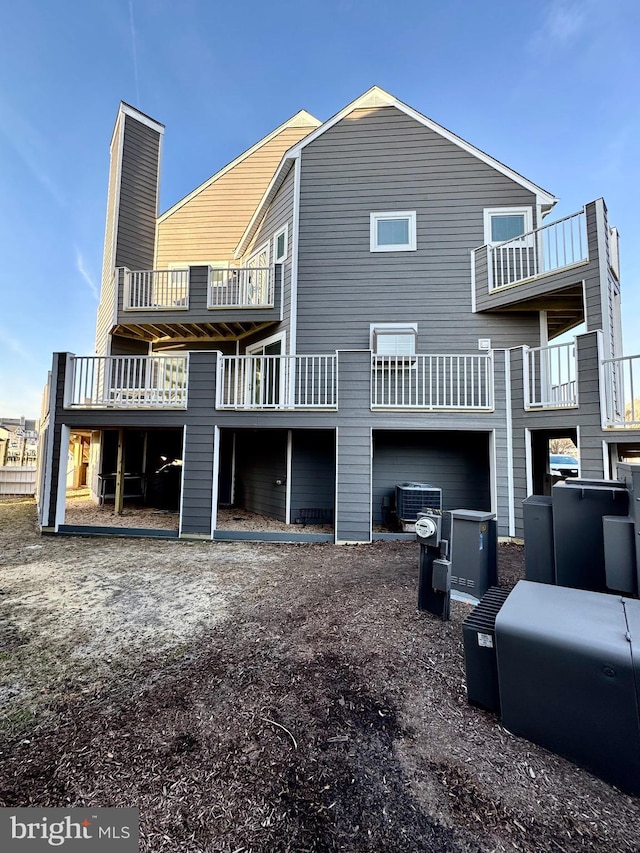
{"x":240,"y":288}
{"x":550,"y":377}
{"x":277,"y":382}
{"x":128,"y":382}
{"x":546,"y":250}
{"x":622,"y":391}
{"x":156,"y":290}
{"x":432,"y":382}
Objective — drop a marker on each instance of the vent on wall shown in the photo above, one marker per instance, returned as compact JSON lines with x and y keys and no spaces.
{"x":412,"y":498}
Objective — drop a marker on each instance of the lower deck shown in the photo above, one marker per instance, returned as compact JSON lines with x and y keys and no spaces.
{"x":305,"y":485}
{"x":279,"y":484}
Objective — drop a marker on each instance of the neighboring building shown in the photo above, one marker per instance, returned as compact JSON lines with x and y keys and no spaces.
{"x":18,"y":441}
{"x":18,"y":452}
{"x":345,"y":307}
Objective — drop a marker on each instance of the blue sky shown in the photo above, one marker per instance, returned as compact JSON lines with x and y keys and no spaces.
{"x":550,"y":87}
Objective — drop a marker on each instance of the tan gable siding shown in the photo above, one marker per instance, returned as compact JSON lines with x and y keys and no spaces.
{"x":107,"y":290}
{"x":209,"y":226}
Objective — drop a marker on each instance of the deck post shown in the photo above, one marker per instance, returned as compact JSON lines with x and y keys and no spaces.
{"x":119,"y":496}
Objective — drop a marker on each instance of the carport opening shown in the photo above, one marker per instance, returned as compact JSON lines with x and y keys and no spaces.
{"x":276,"y":480}
{"x":124,"y":478}
{"x":554,"y":457}
{"x":455,"y":462}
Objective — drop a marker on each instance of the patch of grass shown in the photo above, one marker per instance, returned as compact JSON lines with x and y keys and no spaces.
{"x":17,"y":720}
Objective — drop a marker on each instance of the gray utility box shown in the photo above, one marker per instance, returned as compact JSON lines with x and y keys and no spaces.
{"x":473,"y":548}
{"x":630,"y":474}
{"x":620,"y":553}
{"x":478,"y":635}
{"x":578,"y":509}
{"x":539,"y":558}
{"x":569,"y":676}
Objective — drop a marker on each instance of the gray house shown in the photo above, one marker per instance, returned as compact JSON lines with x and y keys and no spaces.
{"x":347,"y":306}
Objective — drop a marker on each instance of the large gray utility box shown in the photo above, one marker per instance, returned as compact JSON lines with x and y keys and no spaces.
{"x":473,"y":543}
{"x":569,"y":676}
{"x":578,"y":509}
{"x":539,"y":557}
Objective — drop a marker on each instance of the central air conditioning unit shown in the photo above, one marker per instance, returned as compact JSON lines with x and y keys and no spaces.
{"x":412,"y":498}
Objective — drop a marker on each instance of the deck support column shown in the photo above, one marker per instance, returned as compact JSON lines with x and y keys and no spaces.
{"x":353,"y":449}
{"x":119,"y":497}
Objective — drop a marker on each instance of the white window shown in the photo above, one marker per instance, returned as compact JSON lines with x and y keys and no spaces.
{"x":393,"y":231}
{"x":393,"y":338}
{"x":260,"y":258}
{"x":507,"y":223}
{"x":280,"y":245}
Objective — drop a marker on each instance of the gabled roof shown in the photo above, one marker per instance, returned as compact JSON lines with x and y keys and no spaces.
{"x":376,"y":97}
{"x":300,"y":119}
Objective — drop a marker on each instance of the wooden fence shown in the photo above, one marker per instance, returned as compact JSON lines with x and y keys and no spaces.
{"x":17,"y":480}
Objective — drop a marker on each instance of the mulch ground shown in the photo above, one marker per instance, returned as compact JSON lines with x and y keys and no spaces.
{"x":327,"y":714}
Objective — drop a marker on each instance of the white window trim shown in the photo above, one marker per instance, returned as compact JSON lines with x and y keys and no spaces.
{"x":392,"y":329}
{"x":252,"y":349}
{"x":284,"y":230}
{"x":410,"y":215}
{"x":509,"y":211}
{"x":266,"y":247}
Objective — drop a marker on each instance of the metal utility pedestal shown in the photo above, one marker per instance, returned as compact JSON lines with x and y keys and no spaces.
{"x":474,"y":544}
{"x":434,"y":583}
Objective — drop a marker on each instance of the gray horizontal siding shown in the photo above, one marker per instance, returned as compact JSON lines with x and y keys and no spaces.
{"x":280,"y":213}
{"x":313,"y":484}
{"x":377,"y":160}
{"x":353,"y":484}
{"x":197,"y":490}
{"x":261,"y":459}
{"x":138,"y":196}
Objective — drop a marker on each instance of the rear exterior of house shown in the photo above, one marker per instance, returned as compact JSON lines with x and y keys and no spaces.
{"x":346,"y":307}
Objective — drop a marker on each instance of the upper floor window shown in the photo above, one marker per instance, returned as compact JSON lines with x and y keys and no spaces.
{"x":393,"y":231}
{"x":507,"y":223}
{"x":280,"y":247}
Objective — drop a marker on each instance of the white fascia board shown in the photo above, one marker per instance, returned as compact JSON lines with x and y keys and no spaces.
{"x":544,"y":198}
{"x":141,"y":117}
{"x":301,"y":118}
{"x":378,"y":97}
{"x":276,"y":182}
{"x":127,"y":110}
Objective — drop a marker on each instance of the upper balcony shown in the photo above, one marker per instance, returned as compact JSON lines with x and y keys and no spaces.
{"x":127,"y":382}
{"x":542,"y":270}
{"x":196,"y":303}
{"x":621,"y":377}
{"x":550,"y":377}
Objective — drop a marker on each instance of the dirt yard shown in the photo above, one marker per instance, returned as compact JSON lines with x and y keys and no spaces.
{"x":267,"y":698}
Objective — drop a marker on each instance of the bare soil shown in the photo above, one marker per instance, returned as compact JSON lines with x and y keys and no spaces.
{"x":259,"y":698}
